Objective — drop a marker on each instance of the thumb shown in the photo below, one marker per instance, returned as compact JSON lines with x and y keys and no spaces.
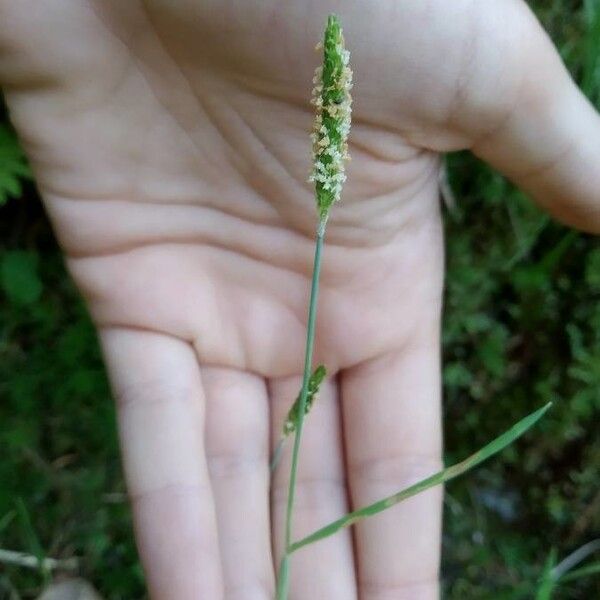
{"x":548,"y":143}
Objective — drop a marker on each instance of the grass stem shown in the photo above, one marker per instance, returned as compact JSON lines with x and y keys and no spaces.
{"x":283,"y":578}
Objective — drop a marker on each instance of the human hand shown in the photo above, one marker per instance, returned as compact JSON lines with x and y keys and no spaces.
{"x":170,"y":144}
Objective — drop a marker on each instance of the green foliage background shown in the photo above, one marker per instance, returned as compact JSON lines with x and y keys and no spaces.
{"x":522,"y":327}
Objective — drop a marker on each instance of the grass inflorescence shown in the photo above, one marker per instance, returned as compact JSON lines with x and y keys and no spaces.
{"x":333,"y":103}
{"x":332,"y":100}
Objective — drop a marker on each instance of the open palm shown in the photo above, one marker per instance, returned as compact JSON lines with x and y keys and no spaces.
{"x":170,"y":143}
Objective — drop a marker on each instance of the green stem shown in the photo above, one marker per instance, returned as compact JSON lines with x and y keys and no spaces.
{"x":283,"y":587}
{"x":283,"y":578}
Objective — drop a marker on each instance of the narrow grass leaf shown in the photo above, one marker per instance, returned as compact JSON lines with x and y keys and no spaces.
{"x":547,"y":580}
{"x":593,"y":569}
{"x":452,"y":472}
{"x":33,"y":541}
{"x":576,"y":557}
{"x":7,"y":519}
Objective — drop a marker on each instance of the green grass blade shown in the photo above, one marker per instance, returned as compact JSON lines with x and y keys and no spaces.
{"x":7,"y":519}
{"x":472,"y":461}
{"x":547,"y":581}
{"x":557,"y":574}
{"x":593,"y":569}
{"x":591,"y":65}
{"x":575,"y":558}
{"x":33,"y":541}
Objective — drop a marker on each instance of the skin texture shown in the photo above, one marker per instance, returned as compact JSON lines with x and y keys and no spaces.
{"x":169,"y":140}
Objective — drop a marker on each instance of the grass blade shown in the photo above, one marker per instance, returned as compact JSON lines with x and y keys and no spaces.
{"x":7,"y":519}
{"x":593,"y":569}
{"x":32,"y":538}
{"x":547,"y":581}
{"x":456,"y":470}
{"x":575,"y":558}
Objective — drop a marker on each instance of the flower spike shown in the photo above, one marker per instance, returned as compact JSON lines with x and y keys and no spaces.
{"x":333,"y":103}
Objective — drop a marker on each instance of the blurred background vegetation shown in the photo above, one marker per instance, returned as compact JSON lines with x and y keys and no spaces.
{"x":522,"y":326}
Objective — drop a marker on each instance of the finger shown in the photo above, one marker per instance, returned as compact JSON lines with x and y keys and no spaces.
{"x":548,"y":139}
{"x":160,"y":404}
{"x":391,"y":413}
{"x":237,"y":447}
{"x":325,"y":570}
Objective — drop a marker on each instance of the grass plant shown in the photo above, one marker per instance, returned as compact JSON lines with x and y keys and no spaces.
{"x":332,"y":100}
{"x":517,"y":328}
